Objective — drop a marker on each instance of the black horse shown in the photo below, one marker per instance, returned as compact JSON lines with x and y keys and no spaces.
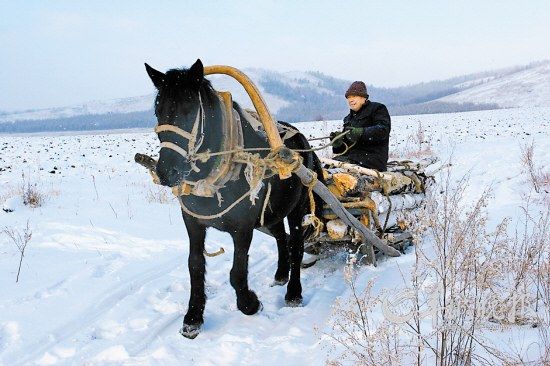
{"x":184,"y":96}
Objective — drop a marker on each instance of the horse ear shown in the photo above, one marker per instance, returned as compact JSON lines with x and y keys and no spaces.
{"x":156,"y":76}
{"x":197,"y":71}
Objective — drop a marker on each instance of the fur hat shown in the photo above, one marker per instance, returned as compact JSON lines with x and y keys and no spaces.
{"x":357,"y":88}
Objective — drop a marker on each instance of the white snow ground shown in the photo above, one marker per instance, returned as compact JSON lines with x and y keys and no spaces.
{"x":105,"y":281}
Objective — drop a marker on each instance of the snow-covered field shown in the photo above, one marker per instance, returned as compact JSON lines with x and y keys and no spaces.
{"x":105,"y":281}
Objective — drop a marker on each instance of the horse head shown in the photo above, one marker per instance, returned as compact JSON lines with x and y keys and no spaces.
{"x":184,"y":104}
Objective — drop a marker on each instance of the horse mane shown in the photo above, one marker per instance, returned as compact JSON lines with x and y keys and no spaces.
{"x":178,"y":86}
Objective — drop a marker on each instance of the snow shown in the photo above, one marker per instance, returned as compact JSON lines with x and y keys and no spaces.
{"x":104,"y":278}
{"x":525,"y":88}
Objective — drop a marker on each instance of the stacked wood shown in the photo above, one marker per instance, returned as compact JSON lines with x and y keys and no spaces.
{"x":375,"y":198}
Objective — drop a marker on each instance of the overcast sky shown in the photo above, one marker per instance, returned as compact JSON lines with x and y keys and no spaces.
{"x":58,"y":53}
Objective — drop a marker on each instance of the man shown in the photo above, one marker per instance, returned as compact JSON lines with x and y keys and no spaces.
{"x":368,"y":128}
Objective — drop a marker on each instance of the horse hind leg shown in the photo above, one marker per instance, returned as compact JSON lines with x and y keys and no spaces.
{"x":193,"y":319}
{"x":293,"y":295}
{"x":247,"y":301}
{"x":283,"y":264}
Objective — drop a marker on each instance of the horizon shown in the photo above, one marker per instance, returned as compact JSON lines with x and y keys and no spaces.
{"x":66,"y":53}
{"x":533,"y":63}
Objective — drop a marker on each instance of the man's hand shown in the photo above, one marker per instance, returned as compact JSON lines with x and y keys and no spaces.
{"x":336,"y":143}
{"x":354,"y":134}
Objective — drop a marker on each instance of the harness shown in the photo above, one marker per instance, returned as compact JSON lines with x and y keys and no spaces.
{"x":225,"y":168}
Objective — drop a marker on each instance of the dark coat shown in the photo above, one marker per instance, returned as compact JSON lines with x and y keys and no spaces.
{"x":371,"y":151}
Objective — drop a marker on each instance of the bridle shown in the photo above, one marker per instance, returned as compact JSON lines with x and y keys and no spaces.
{"x":193,"y":145}
{"x":224,"y":168}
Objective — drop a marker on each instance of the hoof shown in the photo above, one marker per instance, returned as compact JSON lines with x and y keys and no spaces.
{"x":190,"y":331}
{"x":279,"y":282}
{"x":250,"y":306}
{"x":305,"y":265}
{"x":294,"y":301}
{"x":297,"y":303}
{"x":257,"y":310}
{"x":309,"y":261}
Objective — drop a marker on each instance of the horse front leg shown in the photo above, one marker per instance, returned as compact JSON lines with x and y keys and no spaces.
{"x":247,"y":301}
{"x":196,"y":264}
{"x":283,"y":266}
{"x":293,"y":295}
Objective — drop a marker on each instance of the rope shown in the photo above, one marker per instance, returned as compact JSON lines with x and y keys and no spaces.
{"x":214,"y":254}
{"x":205,"y":156}
{"x":348,"y":148}
{"x":266,"y":200}
{"x":388,"y":215}
{"x":326,"y":145}
{"x":313,"y":220}
{"x":214,"y":216}
{"x":258,"y":169}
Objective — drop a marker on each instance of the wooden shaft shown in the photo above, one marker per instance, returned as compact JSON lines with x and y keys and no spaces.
{"x":267,"y":120}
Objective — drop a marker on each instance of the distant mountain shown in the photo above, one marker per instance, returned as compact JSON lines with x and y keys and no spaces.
{"x":122,"y":105}
{"x":305,"y":96}
{"x":525,"y":88}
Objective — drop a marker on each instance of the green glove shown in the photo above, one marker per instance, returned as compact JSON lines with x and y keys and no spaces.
{"x":336,"y":143}
{"x":354,"y":134}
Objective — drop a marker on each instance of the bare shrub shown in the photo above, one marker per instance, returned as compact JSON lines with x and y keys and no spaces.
{"x":363,"y":340}
{"x":470,"y":280}
{"x":544,"y":315}
{"x":538,"y":178}
{"x":20,"y":239}
{"x":8,"y":192}
{"x":31,"y":194}
{"x":158,"y":194}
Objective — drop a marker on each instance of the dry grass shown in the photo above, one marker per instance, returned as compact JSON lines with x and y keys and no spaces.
{"x":30,"y":192}
{"x":158,"y":194}
{"x":417,"y":145}
{"x":20,"y":240}
{"x":8,"y":192}
{"x":469,"y":280}
{"x":538,"y":178}
{"x":363,"y":340}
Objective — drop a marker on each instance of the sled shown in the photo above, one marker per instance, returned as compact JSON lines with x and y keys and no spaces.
{"x":380,"y":201}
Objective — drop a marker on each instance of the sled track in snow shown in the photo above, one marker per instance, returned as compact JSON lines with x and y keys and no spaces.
{"x":92,"y":313}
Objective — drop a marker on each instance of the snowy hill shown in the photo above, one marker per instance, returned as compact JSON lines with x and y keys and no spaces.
{"x":145,"y":102}
{"x":524,"y":88}
{"x":120,"y":105}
